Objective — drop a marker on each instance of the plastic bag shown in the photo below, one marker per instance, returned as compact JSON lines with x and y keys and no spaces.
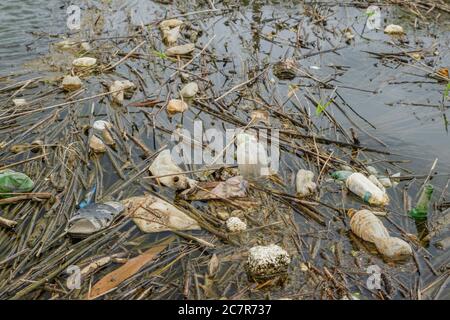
{"x":14,"y":182}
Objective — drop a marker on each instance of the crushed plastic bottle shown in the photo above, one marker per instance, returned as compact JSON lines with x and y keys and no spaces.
{"x":14,"y":182}
{"x":93,"y":218}
{"x":420,"y":211}
{"x":369,"y":227}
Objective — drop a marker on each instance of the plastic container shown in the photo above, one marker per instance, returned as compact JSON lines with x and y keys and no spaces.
{"x":369,"y":227}
{"x":366,"y":189}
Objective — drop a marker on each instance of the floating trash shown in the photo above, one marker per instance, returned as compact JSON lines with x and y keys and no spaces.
{"x":304,"y":183}
{"x":265,"y":262}
{"x":176,"y":106}
{"x":14,"y":182}
{"x":189,"y":90}
{"x":394,"y":29}
{"x":370,"y":228}
{"x":93,"y":218}
{"x":84,"y":62}
{"x":152,"y":214}
{"x":234,"y":224}
{"x":71,"y":83}
{"x":168,"y":173}
{"x":181,"y":50}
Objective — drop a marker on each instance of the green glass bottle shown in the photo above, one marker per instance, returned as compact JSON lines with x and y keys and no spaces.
{"x":421,"y":209}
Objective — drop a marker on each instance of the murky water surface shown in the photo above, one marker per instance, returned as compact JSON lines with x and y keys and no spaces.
{"x":397,"y":107}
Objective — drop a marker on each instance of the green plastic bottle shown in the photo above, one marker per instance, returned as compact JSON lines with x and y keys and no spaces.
{"x":421,"y":209}
{"x":341,"y":175}
{"x":12,"y":182}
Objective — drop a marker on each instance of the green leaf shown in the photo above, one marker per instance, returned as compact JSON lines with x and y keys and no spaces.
{"x":447,"y":90}
{"x":321,"y":107}
{"x":159,"y":54}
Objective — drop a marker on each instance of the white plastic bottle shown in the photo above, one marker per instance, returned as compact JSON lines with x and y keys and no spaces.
{"x":366,"y":189}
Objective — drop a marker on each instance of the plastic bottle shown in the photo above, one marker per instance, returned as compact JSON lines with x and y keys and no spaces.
{"x":421,"y":209}
{"x":341,"y":175}
{"x":360,"y":185}
{"x":370,"y":228}
{"x":366,"y":189}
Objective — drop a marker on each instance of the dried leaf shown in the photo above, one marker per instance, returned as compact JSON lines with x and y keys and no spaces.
{"x":443,"y":72}
{"x":213,"y":265}
{"x":116,"y":277}
{"x":260,"y":115}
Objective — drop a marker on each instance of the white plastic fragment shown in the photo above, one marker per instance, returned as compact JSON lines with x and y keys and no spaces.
{"x":118,"y":89}
{"x":168,"y":173}
{"x":170,"y":36}
{"x":394,"y":29}
{"x":234,"y":224}
{"x":71,"y":83}
{"x":189,"y":90}
{"x":372,"y":170}
{"x":252,"y":159}
{"x":304,"y":183}
{"x":102,"y":127}
{"x":176,"y":106}
{"x":96,"y":144}
{"x":170,"y":23}
{"x":385,"y":181}
{"x":267,"y":261}
{"x":180,"y":50}
{"x":370,"y":228}
{"x":84,"y":62}
{"x":19,"y":102}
